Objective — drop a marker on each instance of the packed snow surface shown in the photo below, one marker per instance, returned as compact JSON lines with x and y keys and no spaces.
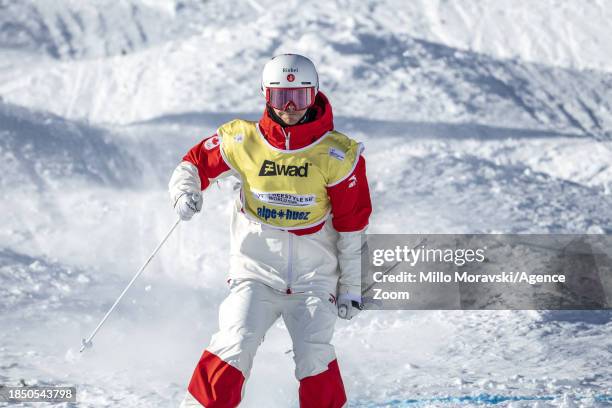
{"x":477,"y":116}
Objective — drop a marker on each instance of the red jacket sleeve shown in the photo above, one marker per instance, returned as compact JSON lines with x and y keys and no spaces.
{"x":206,"y":156}
{"x":350,"y":200}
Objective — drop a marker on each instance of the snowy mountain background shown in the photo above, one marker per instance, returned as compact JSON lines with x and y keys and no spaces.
{"x":477,"y":116}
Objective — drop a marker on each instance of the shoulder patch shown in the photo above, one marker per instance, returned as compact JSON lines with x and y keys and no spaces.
{"x":211,"y":142}
{"x":336,"y":153}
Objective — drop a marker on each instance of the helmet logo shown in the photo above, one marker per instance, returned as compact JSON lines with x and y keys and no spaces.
{"x":290,"y":77}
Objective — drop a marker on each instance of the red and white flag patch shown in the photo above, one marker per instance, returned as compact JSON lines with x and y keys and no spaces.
{"x":212,"y":142}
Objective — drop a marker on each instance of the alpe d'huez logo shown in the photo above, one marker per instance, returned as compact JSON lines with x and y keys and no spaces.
{"x":269,"y":168}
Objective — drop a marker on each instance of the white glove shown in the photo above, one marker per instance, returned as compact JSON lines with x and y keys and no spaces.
{"x":349,"y":304}
{"x":187,"y":205}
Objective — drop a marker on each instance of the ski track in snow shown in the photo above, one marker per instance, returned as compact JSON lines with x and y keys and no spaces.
{"x":477,"y":117}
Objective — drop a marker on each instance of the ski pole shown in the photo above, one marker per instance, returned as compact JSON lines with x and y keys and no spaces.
{"x":85,"y":343}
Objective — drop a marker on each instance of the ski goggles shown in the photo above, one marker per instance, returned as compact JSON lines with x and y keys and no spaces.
{"x":282,"y":98}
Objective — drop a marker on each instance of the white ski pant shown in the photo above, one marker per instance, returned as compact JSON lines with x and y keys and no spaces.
{"x":244,"y":317}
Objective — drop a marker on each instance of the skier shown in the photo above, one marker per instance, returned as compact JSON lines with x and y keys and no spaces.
{"x":295,"y":235}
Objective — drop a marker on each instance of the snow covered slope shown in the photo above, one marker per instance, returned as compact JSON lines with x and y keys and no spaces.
{"x":374,"y":62}
{"x":41,"y":150}
{"x":477,"y":116}
{"x":433,"y":183}
{"x":561,"y":33}
{"x":76,"y":29}
{"x":368,"y":74}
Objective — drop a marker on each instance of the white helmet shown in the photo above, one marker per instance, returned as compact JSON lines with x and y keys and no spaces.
{"x":289,"y":71}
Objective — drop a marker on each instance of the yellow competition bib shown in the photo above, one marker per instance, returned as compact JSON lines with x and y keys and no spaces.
{"x":286,"y":188}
